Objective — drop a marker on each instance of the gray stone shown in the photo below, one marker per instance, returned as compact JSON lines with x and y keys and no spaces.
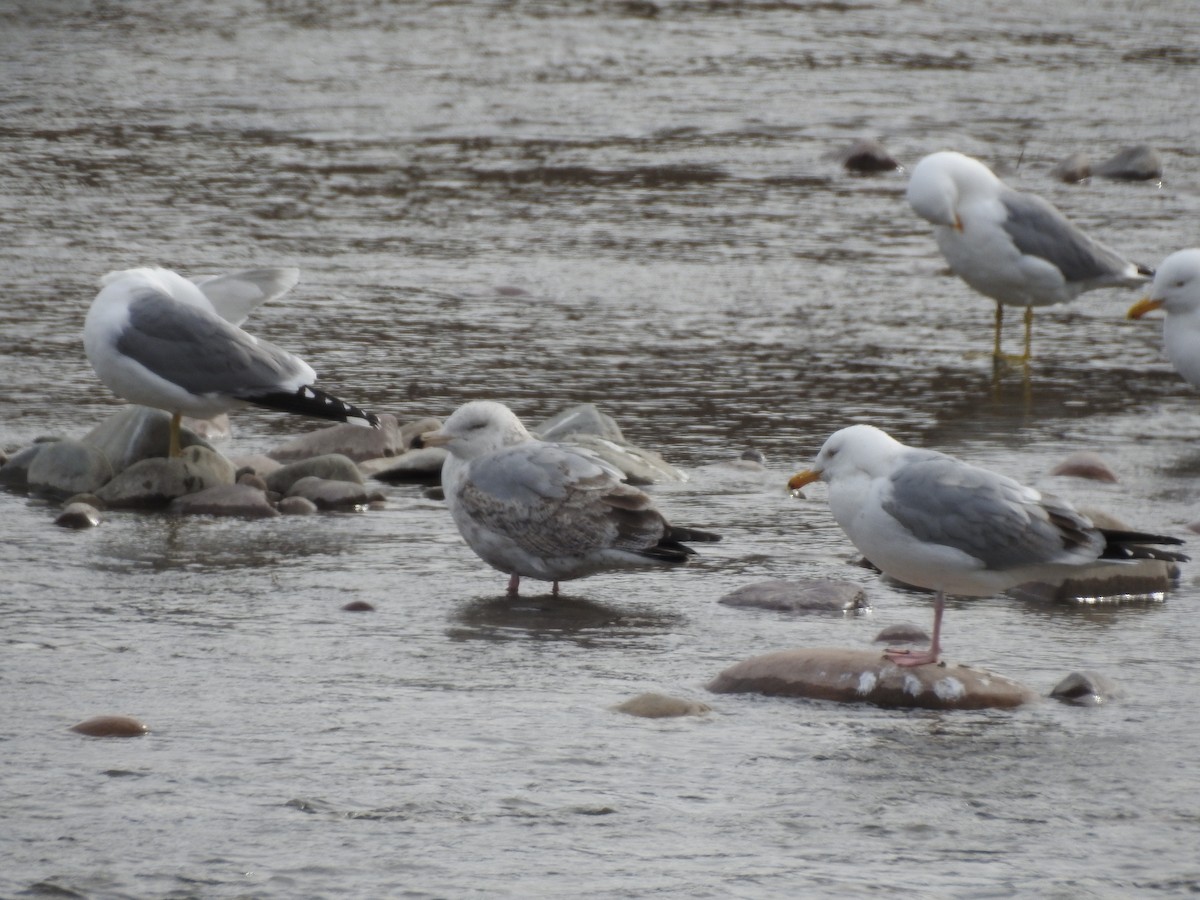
{"x":1138,"y":163}
{"x":157,"y":481}
{"x":236,"y":500}
{"x":15,"y":473}
{"x":68,"y":467}
{"x":423,"y":466}
{"x":800,"y":596}
{"x":1075,"y":167}
{"x":330,"y":494}
{"x":582,"y":419}
{"x":410,"y":433}
{"x":330,"y":466}
{"x":89,"y":499}
{"x":253,"y":480}
{"x":1086,"y":464}
{"x":296,"y":506}
{"x":134,"y":433}
{"x":355,"y":441}
{"x":867,"y":676}
{"x":904,"y":633}
{"x":866,"y":156}
{"x":1086,"y":689}
{"x":78,"y":515}
{"x":260,"y":463}
{"x":660,"y":706}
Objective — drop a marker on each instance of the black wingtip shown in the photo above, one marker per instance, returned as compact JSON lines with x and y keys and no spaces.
{"x":1144,"y":270}
{"x":311,"y":401}
{"x":1132,"y":545}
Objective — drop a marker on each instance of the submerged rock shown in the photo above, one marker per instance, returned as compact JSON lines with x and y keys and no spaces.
{"x":330,"y":466}
{"x":237,"y":500}
{"x":1086,"y":464}
{"x":78,"y":516}
{"x":68,"y":467}
{"x":866,"y":676}
{"x":1106,"y":582}
{"x":660,"y":706}
{"x":1086,"y":689}
{"x":1076,"y":167}
{"x":355,"y":441}
{"x":111,"y":726}
{"x":800,"y":596}
{"x":1138,"y":163}
{"x":866,"y":156}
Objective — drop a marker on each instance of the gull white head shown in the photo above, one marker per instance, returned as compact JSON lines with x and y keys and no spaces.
{"x":858,"y":449}
{"x":478,"y":428}
{"x":1176,"y":286}
{"x":942,"y":181}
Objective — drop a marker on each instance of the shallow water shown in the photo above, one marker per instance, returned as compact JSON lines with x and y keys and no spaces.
{"x":552,"y":203}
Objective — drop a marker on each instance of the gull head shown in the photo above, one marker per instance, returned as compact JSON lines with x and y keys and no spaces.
{"x":1176,"y":286}
{"x":478,"y":428}
{"x":858,"y":449}
{"x":942,"y":181}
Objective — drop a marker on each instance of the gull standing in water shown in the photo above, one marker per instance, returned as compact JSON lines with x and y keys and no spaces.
{"x":157,"y":339}
{"x":1011,"y":246}
{"x":1176,"y":290}
{"x":544,"y":510}
{"x":932,"y":521}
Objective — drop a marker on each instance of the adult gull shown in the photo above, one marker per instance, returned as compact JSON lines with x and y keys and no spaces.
{"x":1012,"y":246}
{"x":545,"y":510}
{"x":932,"y":521}
{"x":1176,"y":290}
{"x":157,"y":339}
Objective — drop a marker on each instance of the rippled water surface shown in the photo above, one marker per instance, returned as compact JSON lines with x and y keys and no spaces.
{"x":639,"y":205}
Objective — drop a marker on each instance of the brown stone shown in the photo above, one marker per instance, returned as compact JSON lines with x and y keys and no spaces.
{"x":660,"y":706}
{"x":111,"y":726}
{"x":1086,"y":464}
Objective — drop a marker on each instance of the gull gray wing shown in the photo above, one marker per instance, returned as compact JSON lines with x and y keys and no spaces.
{"x":552,"y":501}
{"x":1038,"y":229}
{"x":205,"y":354}
{"x":237,"y":294}
{"x":1002,"y":523}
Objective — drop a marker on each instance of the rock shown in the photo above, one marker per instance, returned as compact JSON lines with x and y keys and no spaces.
{"x":251,"y":479}
{"x":582,"y":419}
{"x":111,"y":726}
{"x":14,"y":474}
{"x":866,"y":676}
{"x":1085,"y":464}
{"x":331,"y":467}
{"x":68,"y":467}
{"x":866,"y":156}
{"x":358,"y":606}
{"x":902,"y":634}
{"x":259,"y":463}
{"x":423,"y":466}
{"x":434,"y":492}
{"x":135,"y":433}
{"x":410,"y":434}
{"x":157,"y":481}
{"x":1139,"y":163}
{"x":296,"y":506}
{"x":660,"y":706}
{"x":354,"y":441}
{"x":78,"y":515}
{"x":1075,"y":167}
{"x":330,"y":494}
{"x":1106,"y":582}
{"x":214,"y":429}
{"x":639,"y":466}
{"x":800,"y":596}
{"x":239,"y":500}
{"x":89,"y":499}
{"x":1086,"y":689}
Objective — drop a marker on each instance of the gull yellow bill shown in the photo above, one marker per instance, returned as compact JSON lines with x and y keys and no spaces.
{"x":1143,"y":306}
{"x":800,"y":479}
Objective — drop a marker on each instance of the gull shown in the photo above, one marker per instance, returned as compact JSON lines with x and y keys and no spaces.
{"x":1014,"y":247}
{"x":1176,"y":289}
{"x":935,"y":522}
{"x":157,"y":339}
{"x":545,"y":510}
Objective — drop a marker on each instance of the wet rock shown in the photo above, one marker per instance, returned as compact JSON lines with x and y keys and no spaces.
{"x":582,"y":419}
{"x":799,"y":596}
{"x":68,"y":467}
{"x":358,"y":606}
{"x":328,"y":494}
{"x":214,"y":429}
{"x":660,"y":706}
{"x":89,"y":499}
{"x":259,"y":463}
{"x":155,"y":482}
{"x":296,"y":506}
{"x":236,"y":500}
{"x":1139,"y":163}
{"x":423,"y":466}
{"x":866,"y":156}
{"x":904,"y":633}
{"x":14,"y":474}
{"x":355,"y":441}
{"x":111,"y":726}
{"x":866,"y":676}
{"x":78,"y":516}
{"x":434,"y":492}
{"x":1106,"y":582}
{"x":331,"y":467}
{"x":410,"y":433}
{"x":134,"y":433}
{"x":1086,"y":464}
{"x":1086,"y":689}
{"x":640,"y":467}
{"x":1076,"y":167}
{"x":252,"y":479}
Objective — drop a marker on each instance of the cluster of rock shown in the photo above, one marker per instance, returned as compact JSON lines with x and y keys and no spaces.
{"x":121,"y":464}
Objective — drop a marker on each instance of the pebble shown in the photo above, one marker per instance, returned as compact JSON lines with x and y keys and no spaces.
{"x":296,"y":506}
{"x":237,"y":500}
{"x":111,"y":726}
{"x":78,"y":515}
{"x":661,"y":706}
{"x":1086,"y":689}
{"x":799,"y":596}
{"x":866,"y":156}
{"x":1086,"y":464}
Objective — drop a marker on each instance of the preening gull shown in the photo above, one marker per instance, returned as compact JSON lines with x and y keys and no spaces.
{"x":1011,"y":246}
{"x":932,"y":521}
{"x":1176,"y":289}
{"x":157,"y":339}
{"x":544,"y":510}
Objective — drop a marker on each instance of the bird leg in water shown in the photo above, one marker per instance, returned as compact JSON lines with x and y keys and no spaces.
{"x":174,"y":449}
{"x":554,"y":590}
{"x":996,"y":352}
{"x":1028,"y":334}
{"x":922,"y":657}
{"x":514,"y":584}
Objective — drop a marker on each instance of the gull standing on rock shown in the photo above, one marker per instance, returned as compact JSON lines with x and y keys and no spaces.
{"x":1011,"y":246}
{"x":544,"y":510}
{"x":157,"y":339}
{"x":1176,"y":289}
{"x":932,"y":521}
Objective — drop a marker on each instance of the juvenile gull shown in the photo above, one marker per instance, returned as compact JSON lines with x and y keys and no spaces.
{"x":1011,"y":246}
{"x":1176,"y":290}
{"x":157,"y":339}
{"x":932,"y":521}
{"x":544,"y":510}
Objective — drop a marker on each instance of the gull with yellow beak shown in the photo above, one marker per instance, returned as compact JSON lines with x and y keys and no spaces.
{"x":1176,"y":289}
{"x":1014,"y":247}
{"x":935,"y":522}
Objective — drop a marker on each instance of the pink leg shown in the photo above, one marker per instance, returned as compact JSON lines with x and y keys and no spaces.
{"x":919,"y":657}
{"x":514,"y":583}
